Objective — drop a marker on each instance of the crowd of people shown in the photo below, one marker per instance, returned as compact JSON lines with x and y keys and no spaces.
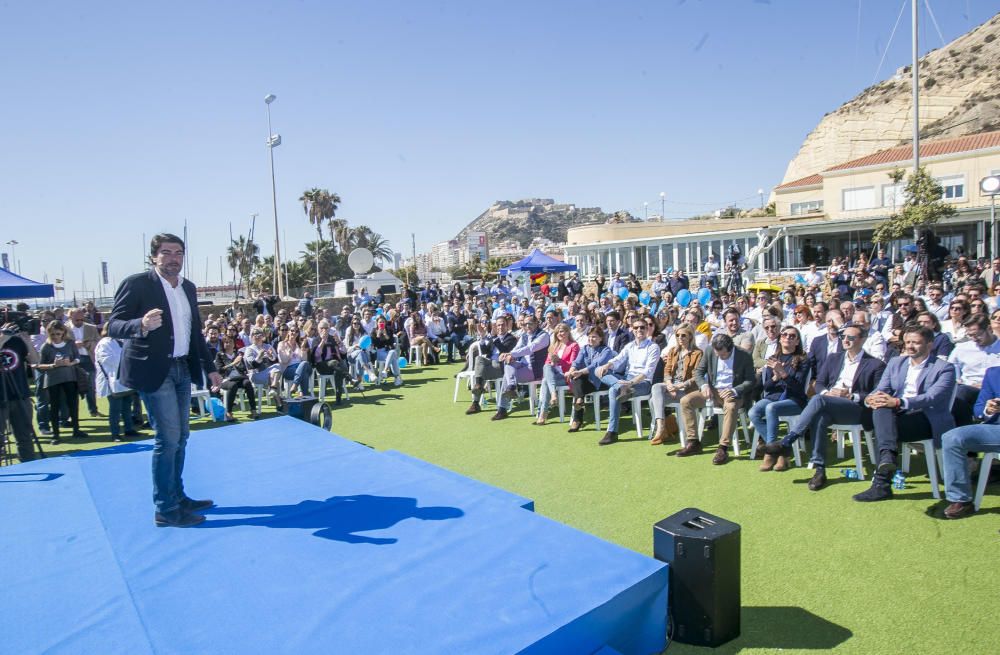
{"x":859,"y":342}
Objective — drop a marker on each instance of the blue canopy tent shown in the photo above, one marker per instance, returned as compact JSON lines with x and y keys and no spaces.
{"x":14,"y":286}
{"x":536,"y":262}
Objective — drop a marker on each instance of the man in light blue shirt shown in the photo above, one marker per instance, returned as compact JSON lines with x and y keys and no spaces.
{"x":641,"y":355}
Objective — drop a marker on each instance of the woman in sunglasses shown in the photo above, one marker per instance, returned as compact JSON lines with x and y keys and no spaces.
{"x":679,"y":362}
{"x":958,"y":311}
{"x":783,"y":392}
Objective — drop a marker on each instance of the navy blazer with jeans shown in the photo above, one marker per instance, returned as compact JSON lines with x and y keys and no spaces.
{"x":146,"y":359}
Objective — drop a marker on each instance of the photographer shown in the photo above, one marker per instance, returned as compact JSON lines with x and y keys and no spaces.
{"x":15,"y":398}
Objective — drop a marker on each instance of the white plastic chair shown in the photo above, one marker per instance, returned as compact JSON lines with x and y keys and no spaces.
{"x":932,"y":455}
{"x":984,"y":477}
{"x":637,"y":414}
{"x":744,"y":420}
{"x":204,"y":398}
{"x":467,"y":374}
{"x":416,"y":356}
{"x":594,"y":397}
{"x":856,"y":430}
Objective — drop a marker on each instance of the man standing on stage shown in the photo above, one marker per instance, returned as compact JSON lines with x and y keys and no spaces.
{"x":156,"y":312}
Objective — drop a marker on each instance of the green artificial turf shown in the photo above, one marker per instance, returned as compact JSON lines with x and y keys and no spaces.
{"x":819,"y":571}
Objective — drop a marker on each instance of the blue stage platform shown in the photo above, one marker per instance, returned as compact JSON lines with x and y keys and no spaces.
{"x":318,"y":545}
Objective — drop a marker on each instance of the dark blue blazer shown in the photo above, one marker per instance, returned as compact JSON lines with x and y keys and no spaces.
{"x":989,"y":391}
{"x":866,"y":379}
{"x":817,"y":353}
{"x":146,"y":360}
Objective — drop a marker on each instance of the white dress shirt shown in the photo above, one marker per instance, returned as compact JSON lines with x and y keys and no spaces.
{"x":724,"y":372}
{"x":971,"y":361}
{"x":849,"y":371}
{"x":912,"y":374}
{"x":642,"y":357}
{"x":180,"y":314}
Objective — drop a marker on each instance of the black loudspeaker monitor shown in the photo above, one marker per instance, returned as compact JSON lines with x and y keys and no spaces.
{"x":310,"y":410}
{"x":703,"y":552}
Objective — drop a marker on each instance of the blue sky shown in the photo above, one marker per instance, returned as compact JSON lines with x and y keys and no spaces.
{"x":125,"y":118}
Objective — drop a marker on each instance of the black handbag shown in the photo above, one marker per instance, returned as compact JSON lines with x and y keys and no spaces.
{"x":82,"y":380}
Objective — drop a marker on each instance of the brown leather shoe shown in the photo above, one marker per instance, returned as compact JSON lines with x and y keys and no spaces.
{"x":781,"y":464}
{"x":692,"y":447}
{"x":608,"y":439}
{"x":768,"y":462}
{"x":574,"y":426}
{"x":959,"y":510}
{"x":661,"y":432}
{"x":474,"y":408}
{"x":721,"y":456}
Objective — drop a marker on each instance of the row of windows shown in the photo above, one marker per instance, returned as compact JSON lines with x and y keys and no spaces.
{"x":647,"y":261}
{"x":808,"y":207}
{"x":893,"y":195}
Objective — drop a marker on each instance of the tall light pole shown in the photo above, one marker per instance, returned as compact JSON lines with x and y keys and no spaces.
{"x":13,"y":256}
{"x":663,"y":205}
{"x":645,"y":211}
{"x":273,"y":141}
{"x":990,"y":186}
{"x":760,"y":192}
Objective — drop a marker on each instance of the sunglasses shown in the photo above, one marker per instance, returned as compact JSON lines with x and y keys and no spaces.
{"x":789,"y":335}
{"x":849,"y":337}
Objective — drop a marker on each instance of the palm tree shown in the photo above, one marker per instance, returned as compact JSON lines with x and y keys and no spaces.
{"x":340,"y":233}
{"x":375,"y":243}
{"x":243,"y":256}
{"x":319,"y":206}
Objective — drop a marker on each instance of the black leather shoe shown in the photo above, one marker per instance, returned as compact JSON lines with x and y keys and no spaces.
{"x":177,"y":519}
{"x":608,"y":439}
{"x":818,"y":479}
{"x":878,"y":491}
{"x":776,"y":448}
{"x":192,"y":505}
{"x":959,"y":510}
{"x":500,"y":415}
{"x":690,"y":448}
{"x":721,"y":456}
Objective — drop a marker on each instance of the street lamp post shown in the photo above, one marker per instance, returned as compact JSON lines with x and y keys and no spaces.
{"x":273,"y":141}
{"x":663,"y":205}
{"x":990,"y":186}
{"x":645,"y":211}
{"x":13,"y":256}
{"x":760,"y":192}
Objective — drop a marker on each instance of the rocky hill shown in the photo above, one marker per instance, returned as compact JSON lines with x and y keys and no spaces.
{"x":524,"y":220}
{"x":958,"y":95}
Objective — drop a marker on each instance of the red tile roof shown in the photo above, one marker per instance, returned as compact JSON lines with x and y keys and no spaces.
{"x":966,"y":143}
{"x":815,"y":178}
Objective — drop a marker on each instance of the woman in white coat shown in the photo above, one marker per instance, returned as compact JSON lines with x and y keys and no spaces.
{"x":108,"y":354}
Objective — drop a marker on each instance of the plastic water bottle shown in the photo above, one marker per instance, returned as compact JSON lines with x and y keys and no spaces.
{"x":899,"y":480}
{"x":850,"y":474}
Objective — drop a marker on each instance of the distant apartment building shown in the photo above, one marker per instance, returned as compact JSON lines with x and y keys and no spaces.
{"x":831,"y":213}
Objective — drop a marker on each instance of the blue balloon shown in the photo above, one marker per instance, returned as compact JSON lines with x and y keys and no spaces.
{"x":623,"y":293}
{"x":379,"y":311}
{"x":644,"y":297}
{"x":365,"y":343}
{"x":704,"y":296}
{"x":403,"y":362}
{"x":800,"y":279}
{"x":683,"y":297}
{"x":496,"y":305}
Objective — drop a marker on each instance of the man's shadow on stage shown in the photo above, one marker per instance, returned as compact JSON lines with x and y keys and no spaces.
{"x":338,"y":518}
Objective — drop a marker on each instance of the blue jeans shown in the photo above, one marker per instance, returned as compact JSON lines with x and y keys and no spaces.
{"x":552,"y":380}
{"x":169,"y":409}
{"x":120,"y":410}
{"x":764,"y":416}
{"x":956,"y":443}
{"x":613,"y":382}
{"x":819,"y":414}
{"x":360,"y":362}
{"x":389,"y":360}
{"x":301,"y":375}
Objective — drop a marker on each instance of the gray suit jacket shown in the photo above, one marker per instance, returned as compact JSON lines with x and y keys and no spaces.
{"x":935,"y":386}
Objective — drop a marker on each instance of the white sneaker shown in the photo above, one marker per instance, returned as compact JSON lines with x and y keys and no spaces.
{"x":398,"y":382}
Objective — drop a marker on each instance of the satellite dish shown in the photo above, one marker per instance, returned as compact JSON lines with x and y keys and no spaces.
{"x":360,"y":261}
